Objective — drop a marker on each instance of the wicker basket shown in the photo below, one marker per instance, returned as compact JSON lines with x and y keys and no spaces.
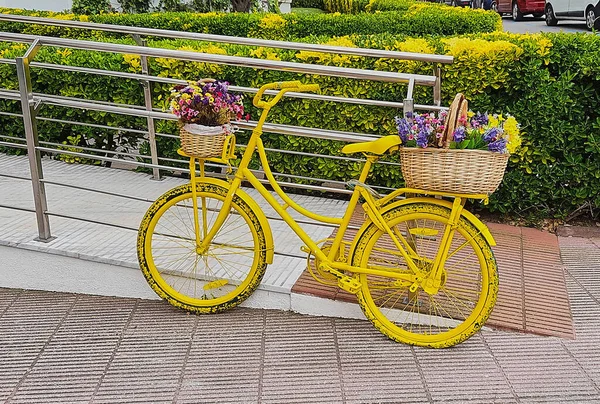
{"x":202,"y":145}
{"x":452,"y":170}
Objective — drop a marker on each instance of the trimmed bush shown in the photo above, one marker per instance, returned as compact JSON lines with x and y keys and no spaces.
{"x":91,"y":6}
{"x":388,"y":5}
{"x":420,"y":19}
{"x":308,"y":4}
{"x":548,"y":82}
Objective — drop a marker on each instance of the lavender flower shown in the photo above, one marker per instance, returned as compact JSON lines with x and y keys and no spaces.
{"x":497,"y":146}
{"x":491,"y":135}
{"x":459,"y":134}
{"x":403,"y":128}
{"x":422,"y":138}
{"x":479,"y":120}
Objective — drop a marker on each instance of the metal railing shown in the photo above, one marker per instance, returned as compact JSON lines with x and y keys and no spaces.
{"x":31,"y":102}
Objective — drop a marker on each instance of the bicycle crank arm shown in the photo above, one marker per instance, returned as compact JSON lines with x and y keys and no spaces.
{"x":345,"y":282}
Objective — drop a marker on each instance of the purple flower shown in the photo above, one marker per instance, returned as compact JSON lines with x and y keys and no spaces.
{"x":459,"y":134}
{"x":403,"y":128}
{"x":422,"y":138}
{"x":491,"y":135}
{"x":498,"y":146}
{"x":479,"y":120}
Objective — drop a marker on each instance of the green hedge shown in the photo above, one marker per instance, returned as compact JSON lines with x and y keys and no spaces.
{"x":419,"y":19}
{"x":308,"y":4}
{"x":548,"y":82}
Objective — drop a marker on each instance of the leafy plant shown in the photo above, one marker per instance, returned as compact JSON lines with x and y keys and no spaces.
{"x":135,"y":6}
{"x":91,"y":6}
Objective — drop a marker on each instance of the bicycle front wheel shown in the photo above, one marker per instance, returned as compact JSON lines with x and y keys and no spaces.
{"x":203,"y":282}
{"x":469,"y":281}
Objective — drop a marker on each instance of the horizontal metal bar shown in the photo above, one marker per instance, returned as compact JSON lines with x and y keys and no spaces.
{"x":15,"y":177}
{"x":310,"y":132}
{"x":101,"y":158}
{"x":11,"y":114}
{"x":93,"y":125}
{"x":167,"y":135}
{"x":377,"y":53}
{"x":16,"y":145}
{"x":101,"y":106}
{"x":118,"y":226}
{"x":113,"y":152}
{"x":240,"y":61}
{"x":141,"y":77}
{"x":10,"y":95}
{"x":136,"y":198}
{"x":309,"y":96}
{"x":272,"y":128}
{"x":16,"y":208}
{"x":8,"y":61}
{"x":21,"y":139}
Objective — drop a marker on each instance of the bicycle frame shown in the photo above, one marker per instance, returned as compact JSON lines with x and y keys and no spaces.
{"x":335,"y":260}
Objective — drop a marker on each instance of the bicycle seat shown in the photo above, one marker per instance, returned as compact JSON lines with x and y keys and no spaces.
{"x":378,"y":147}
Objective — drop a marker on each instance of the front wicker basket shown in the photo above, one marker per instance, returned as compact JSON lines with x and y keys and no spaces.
{"x":201,"y":145}
{"x":453,"y":170}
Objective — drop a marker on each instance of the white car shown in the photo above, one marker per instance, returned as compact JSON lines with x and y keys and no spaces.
{"x":583,"y":10}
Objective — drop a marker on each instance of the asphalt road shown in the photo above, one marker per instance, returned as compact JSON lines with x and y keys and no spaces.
{"x":534,"y":25}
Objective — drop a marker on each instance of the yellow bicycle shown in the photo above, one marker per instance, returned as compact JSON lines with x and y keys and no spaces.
{"x":421,"y":267}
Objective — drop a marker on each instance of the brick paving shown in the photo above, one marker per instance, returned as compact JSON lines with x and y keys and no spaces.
{"x":532,"y":296}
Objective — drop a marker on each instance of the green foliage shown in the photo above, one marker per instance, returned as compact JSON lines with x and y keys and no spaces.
{"x":91,"y":6}
{"x":338,"y":6}
{"x":308,"y":4}
{"x":422,"y":19}
{"x":299,"y":10}
{"x":135,"y":6}
{"x":388,"y":5}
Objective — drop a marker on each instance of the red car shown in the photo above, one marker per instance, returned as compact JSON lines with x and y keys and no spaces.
{"x":519,"y":8}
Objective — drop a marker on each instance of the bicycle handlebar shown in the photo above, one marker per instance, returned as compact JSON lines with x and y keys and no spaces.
{"x":283,"y":87}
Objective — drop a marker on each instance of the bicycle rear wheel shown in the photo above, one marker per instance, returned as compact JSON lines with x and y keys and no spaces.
{"x":469,"y":283}
{"x":209,"y":282}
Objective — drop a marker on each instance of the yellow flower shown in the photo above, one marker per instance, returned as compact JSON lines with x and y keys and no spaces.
{"x":514,"y":141}
{"x":511,"y":128}
{"x":492,"y":121}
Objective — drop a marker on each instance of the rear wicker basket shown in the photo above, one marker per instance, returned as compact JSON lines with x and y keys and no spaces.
{"x":453,"y":170}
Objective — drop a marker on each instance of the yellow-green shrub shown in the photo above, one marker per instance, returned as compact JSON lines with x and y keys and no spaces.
{"x":420,"y":19}
{"x":549,"y":82}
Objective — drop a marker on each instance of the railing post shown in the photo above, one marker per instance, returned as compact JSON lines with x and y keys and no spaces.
{"x":31,"y":135}
{"x":409,"y":103}
{"x":437,"y":87}
{"x":148,"y":102}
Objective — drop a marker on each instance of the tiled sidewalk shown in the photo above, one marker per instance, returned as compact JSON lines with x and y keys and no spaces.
{"x":68,"y":348}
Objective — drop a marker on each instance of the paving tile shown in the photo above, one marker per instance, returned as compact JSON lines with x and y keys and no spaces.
{"x":537,"y":369}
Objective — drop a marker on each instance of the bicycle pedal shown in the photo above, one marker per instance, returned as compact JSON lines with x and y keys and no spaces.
{"x":349,"y":284}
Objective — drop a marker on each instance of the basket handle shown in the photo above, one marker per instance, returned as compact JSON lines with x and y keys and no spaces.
{"x":458,"y":109}
{"x":206,"y":81}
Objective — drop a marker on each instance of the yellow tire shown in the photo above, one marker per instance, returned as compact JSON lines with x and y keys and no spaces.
{"x":469,"y":283}
{"x":212,"y":282}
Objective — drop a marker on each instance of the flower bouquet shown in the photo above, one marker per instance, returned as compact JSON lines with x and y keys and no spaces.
{"x":456,"y":151}
{"x":204,"y":109}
